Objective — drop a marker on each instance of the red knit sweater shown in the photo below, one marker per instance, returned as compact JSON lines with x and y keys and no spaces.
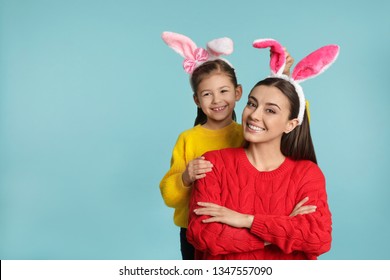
{"x":270,"y":196}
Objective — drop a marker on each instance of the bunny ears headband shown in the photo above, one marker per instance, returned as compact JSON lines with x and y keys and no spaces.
{"x":194,"y":56}
{"x":309,"y":67}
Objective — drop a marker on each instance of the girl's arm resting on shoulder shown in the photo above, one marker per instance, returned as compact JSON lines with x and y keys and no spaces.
{"x":308,"y":233}
{"x":195,"y":170}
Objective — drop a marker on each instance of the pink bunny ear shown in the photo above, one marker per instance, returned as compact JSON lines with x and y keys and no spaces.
{"x":315,"y":63}
{"x":184,"y":46}
{"x":180,"y":43}
{"x":221,"y":46}
{"x":278,"y":57}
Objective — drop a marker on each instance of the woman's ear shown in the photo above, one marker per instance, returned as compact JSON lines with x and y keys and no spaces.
{"x":291,"y":125}
{"x":238,"y":92}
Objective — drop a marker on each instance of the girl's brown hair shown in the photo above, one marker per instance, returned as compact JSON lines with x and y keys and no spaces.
{"x":205,"y":70}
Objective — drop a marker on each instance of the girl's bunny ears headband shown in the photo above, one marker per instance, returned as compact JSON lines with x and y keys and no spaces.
{"x":194,"y":56}
{"x":309,"y":67}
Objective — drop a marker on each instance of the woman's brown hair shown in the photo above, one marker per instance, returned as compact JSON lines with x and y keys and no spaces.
{"x":297,"y":144}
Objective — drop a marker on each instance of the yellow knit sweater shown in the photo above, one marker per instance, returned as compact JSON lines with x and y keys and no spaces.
{"x":191,"y":144}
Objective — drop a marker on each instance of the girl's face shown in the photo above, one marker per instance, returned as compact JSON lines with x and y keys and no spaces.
{"x":265,"y":117}
{"x":217,"y":97}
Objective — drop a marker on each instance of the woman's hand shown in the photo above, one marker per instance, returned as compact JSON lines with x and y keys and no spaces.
{"x":230,"y":217}
{"x":223,"y":215}
{"x":289,"y":63}
{"x":196,"y":169}
{"x":301,"y":210}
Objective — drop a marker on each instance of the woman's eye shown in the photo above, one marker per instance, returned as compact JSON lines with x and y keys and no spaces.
{"x":251,"y":104}
{"x":270,"y":111}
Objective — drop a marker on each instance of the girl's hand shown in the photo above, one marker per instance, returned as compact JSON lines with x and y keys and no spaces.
{"x":196,"y":169}
{"x":301,"y":210}
{"x":223,"y":215}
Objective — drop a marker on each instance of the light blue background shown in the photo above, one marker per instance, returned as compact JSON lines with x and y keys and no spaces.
{"x":92,"y":100}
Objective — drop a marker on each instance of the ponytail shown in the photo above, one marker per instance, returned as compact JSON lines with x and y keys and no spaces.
{"x":298,"y":144}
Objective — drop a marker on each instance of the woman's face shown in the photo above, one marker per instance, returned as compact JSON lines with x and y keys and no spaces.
{"x":266,"y":115}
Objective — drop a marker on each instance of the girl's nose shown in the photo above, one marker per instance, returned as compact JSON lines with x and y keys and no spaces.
{"x":216,"y":98}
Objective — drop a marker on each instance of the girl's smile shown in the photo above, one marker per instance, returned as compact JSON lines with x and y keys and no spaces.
{"x":217,"y":97}
{"x":219,"y":109}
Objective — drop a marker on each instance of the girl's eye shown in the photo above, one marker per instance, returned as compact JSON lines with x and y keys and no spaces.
{"x":206,"y":94}
{"x":224,"y":91}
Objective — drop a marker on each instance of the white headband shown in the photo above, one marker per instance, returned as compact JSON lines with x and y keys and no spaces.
{"x":194,"y":56}
{"x":309,"y":67}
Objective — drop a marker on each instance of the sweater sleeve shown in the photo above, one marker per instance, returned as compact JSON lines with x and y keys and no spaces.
{"x":216,"y":238}
{"x":173,"y":191}
{"x":310,"y":233}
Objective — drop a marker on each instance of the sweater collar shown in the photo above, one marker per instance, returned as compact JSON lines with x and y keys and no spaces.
{"x":286,"y":165}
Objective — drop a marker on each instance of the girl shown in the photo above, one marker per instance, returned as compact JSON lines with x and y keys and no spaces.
{"x":215,"y":92}
{"x":241,"y":209}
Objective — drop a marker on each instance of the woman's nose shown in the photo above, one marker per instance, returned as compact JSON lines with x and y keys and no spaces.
{"x":256,"y":115}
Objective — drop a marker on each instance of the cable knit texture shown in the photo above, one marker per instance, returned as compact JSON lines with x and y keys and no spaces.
{"x":191,"y":144}
{"x":271,"y":197}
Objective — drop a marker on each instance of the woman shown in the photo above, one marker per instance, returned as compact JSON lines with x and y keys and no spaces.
{"x":241,"y":209}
